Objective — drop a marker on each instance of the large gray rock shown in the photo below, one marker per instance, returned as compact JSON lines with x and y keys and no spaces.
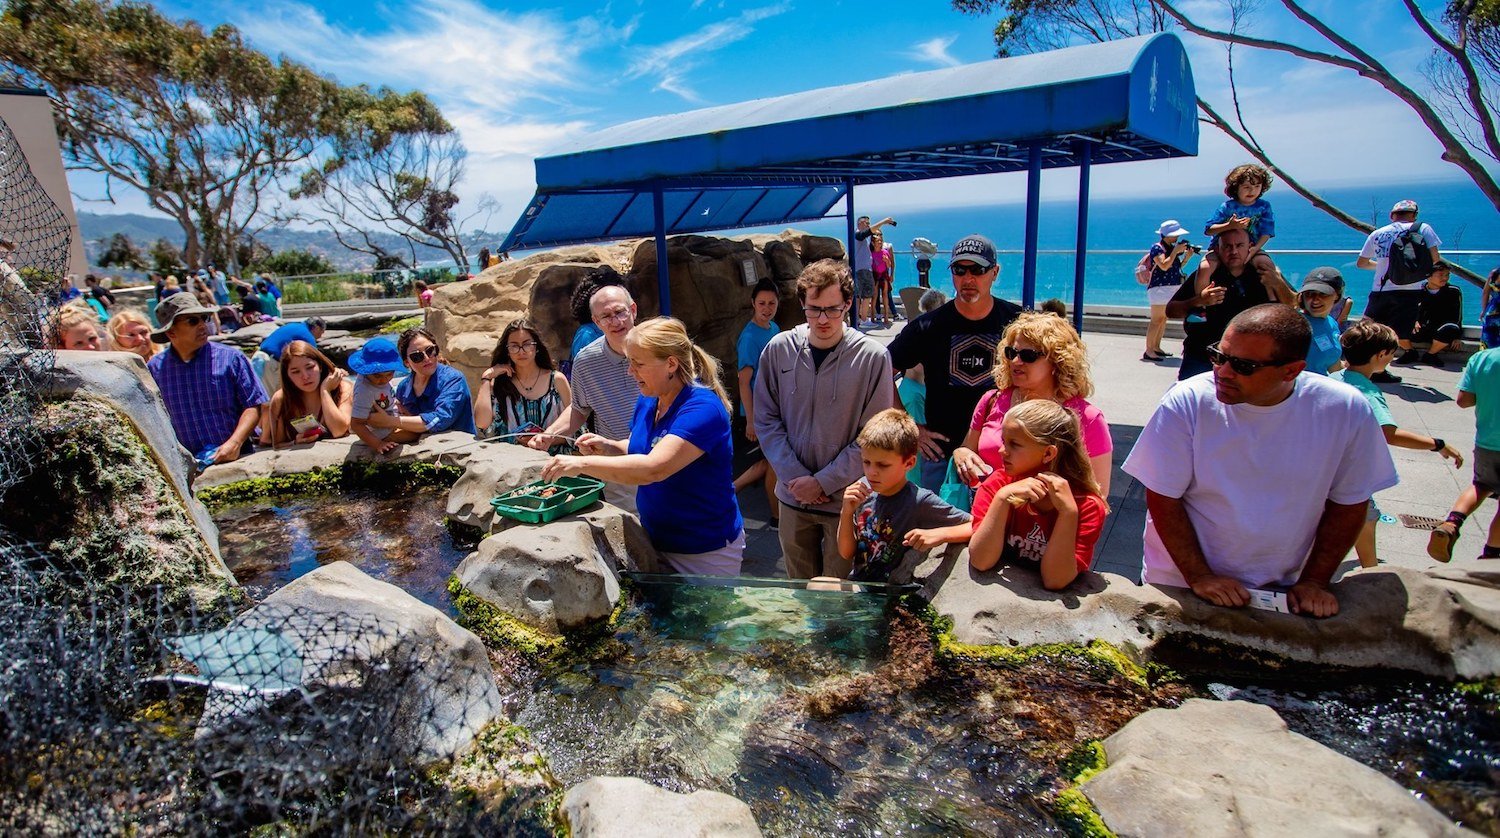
{"x":628,"y":807}
{"x":347,"y":627}
{"x":493,"y":468}
{"x":451,"y":448}
{"x":553,"y":577}
{"x":1442,"y":622}
{"x":1233,"y":769}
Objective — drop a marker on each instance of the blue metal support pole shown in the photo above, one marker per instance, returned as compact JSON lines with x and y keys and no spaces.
{"x":849,"y":244}
{"x":663,"y":277}
{"x":1080,"y":257}
{"x":1033,"y":213}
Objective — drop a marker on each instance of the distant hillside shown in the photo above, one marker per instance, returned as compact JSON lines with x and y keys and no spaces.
{"x":98,"y":228}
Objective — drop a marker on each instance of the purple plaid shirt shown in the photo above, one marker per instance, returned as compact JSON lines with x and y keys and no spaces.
{"x":205,"y":396}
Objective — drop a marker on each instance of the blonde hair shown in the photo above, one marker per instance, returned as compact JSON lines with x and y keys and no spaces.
{"x":70,"y":317}
{"x":891,"y":429}
{"x":1064,"y":348}
{"x":116,"y":326}
{"x":172,"y":282}
{"x":667,"y":337}
{"x":1049,"y":423}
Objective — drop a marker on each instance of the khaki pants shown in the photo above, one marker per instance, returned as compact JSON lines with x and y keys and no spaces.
{"x":810,"y":543}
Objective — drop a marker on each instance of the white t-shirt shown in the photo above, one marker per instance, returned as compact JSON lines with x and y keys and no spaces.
{"x":373,"y":398}
{"x":1378,"y":247}
{"x":1256,"y":515}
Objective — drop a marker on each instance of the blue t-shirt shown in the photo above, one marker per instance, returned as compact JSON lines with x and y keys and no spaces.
{"x":1325,"y":349}
{"x":1482,"y":378}
{"x":444,"y":406}
{"x":277,"y":341}
{"x":1262,"y":222}
{"x":694,"y":510}
{"x":586,"y":334}
{"x":753,"y":340}
{"x":1373,"y":395}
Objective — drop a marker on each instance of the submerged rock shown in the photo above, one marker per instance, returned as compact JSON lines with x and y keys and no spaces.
{"x":1233,"y":769}
{"x":627,"y":807}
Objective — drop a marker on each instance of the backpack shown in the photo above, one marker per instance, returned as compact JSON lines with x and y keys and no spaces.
{"x":1410,"y":261}
{"x":1143,"y":269}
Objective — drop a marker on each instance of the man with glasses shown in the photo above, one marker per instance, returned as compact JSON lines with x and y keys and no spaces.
{"x":210,"y":390}
{"x":816,"y":387}
{"x":1234,"y":286}
{"x":955,"y":344}
{"x":1257,"y":476}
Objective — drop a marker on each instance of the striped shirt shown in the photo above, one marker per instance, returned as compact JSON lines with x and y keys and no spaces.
{"x":602,"y":386}
{"x":206,"y":396}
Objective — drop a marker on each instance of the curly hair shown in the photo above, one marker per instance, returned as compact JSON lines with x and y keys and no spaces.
{"x":1064,"y":348}
{"x":1247,"y":173}
{"x":593,"y":280}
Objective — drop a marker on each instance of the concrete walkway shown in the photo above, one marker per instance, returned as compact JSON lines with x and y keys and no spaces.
{"x":1127,"y":391}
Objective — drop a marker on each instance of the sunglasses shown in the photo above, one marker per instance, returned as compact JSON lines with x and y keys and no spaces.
{"x":1027,"y":356}
{"x":1241,"y":366}
{"x":191,"y":319}
{"x":971,"y":270}
{"x":422,"y":354}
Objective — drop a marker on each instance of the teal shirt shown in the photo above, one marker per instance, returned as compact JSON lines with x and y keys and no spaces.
{"x":1482,"y":378}
{"x":1372,"y":394}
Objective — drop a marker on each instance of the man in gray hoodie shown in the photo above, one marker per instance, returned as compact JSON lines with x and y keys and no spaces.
{"x":817,"y":386}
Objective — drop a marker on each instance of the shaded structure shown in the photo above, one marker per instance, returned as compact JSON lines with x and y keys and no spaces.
{"x":793,"y":158}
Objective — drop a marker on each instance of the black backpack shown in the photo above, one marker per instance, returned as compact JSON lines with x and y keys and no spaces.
{"x":1410,"y":261}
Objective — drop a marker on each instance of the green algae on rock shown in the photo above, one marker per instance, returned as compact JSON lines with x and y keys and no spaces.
{"x":1072,"y":809}
{"x":343,"y":478}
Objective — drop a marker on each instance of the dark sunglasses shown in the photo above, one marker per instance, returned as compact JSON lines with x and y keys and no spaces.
{"x":422,"y":354}
{"x":191,"y":319}
{"x":1027,"y":356}
{"x":1242,"y":366}
{"x":972,"y":270}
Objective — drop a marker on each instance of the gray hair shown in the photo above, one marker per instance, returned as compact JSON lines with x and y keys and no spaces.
{"x":316,"y":324}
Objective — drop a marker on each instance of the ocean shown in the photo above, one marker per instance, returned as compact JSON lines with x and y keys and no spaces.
{"x":1121,"y":230}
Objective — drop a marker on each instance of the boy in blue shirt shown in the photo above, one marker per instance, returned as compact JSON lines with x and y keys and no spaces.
{"x":1245,"y":210}
{"x":1480,"y":389}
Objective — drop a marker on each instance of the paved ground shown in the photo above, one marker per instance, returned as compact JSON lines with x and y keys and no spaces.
{"x":1127,"y":392}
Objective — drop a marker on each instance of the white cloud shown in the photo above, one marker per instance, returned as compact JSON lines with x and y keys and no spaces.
{"x":935,"y":51}
{"x":671,"y":61}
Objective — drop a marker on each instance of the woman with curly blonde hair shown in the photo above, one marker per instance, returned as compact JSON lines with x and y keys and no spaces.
{"x":1040,"y":357}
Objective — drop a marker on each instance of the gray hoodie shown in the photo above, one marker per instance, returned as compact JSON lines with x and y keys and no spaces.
{"x":807,"y":420}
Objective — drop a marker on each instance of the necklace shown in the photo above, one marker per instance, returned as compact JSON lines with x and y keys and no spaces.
{"x":528,"y":388}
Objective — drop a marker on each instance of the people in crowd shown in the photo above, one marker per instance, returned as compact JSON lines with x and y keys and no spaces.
{"x":434,"y":398}
{"x":205,"y":298}
{"x":679,"y":452}
{"x":1397,"y":306}
{"x":99,"y":293}
{"x":375,"y":365}
{"x":1233,"y":286}
{"x":1245,"y":210}
{"x":314,"y":401}
{"x":1227,"y":509}
{"x":69,"y":290}
{"x":765,"y":299}
{"x":484,"y":259}
{"x":817,"y":386}
{"x":955,"y":344}
{"x":883,"y":266}
{"x":250,"y":307}
{"x":76,"y":327}
{"x":129,"y":331}
{"x":270,"y":304}
{"x":219,"y":281}
{"x":1041,"y":357}
{"x":266,"y":360}
{"x":1043,"y":505}
{"x":1479,"y":388}
{"x":210,"y":391}
{"x":1369,"y":348}
{"x":1489,"y":311}
{"x":1440,"y":315}
{"x":521,"y":392}
{"x":604,"y":391}
{"x":1053,"y":306}
{"x":588,"y":331}
{"x":1322,"y":289}
{"x":863,"y":264}
{"x":885,"y":518}
{"x":911,"y":390}
{"x":1166,"y":258}
{"x":424,"y":295}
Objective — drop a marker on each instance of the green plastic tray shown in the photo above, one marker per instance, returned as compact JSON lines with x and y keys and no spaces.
{"x":573,"y":494}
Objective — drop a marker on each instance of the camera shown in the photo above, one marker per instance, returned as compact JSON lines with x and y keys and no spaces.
{"x":1195,"y":248}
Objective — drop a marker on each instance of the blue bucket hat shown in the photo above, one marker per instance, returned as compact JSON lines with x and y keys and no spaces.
{"x":376,"y":356}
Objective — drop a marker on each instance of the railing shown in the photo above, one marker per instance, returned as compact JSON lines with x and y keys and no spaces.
{"x":358,"y":285}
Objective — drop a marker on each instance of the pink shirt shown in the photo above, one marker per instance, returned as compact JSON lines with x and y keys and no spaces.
{"x":991,"y":409}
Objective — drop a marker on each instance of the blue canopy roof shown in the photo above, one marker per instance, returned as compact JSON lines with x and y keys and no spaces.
{"x":792,"y":158}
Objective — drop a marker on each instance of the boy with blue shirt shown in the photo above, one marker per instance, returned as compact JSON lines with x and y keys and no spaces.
{"x":1480,"y":389}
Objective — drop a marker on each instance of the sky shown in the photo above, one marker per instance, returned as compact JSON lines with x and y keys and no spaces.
{"x":518,"y":78}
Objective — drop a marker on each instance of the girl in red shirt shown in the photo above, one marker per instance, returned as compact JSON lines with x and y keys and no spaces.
{"x":1043,"y":504}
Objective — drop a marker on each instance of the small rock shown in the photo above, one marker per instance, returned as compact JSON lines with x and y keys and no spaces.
{"x":628,"y":807}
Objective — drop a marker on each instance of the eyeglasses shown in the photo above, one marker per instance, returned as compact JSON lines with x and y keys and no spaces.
{"x":618,"y":315}
{"x":191,"y":319}
{"x":528,"y":346}
{"x":1242,"y":366}
{"x":971,"y":269}
{"x":1027,"y":356}
{"x":820,"y":312}
{"x":421,"y":355}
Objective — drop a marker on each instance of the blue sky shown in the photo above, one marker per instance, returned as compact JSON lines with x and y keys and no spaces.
{"x":517,"y":78}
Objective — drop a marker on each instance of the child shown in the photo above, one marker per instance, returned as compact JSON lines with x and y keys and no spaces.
{"x":1369,"y":347}
{"x":1247,"y":210}
{"x":376,"y":363}
{"x":424,"y":295}
{"x":1322,"y":289}
{"x":885,"y":514}
{"x":1043,"y":505}
{"x":1480,"y":389}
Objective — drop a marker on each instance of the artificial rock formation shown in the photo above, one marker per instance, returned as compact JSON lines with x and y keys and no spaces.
{"x":628,"y":807}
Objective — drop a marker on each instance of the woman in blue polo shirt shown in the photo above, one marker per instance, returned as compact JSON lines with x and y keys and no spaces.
{"x":679,"y":452}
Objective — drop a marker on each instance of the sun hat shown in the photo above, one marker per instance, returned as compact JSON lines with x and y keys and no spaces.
{"x":1170,"y":227}
{"x":977,"y":249}
{"x":376,"y":356}
{"x":1324,"y":281}
{"x":173,"y":307}
{"x":1407,"y":205}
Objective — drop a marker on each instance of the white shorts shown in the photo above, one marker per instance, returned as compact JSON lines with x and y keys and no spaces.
{"x":724,"y":561}
{"x":1162,"y":294}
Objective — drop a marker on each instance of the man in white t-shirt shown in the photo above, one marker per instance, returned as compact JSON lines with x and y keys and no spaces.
{"x":1256,"y":474}
{"x":1397,"y":306}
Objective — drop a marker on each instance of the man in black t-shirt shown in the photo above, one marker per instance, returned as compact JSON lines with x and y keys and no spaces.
{"x":955,"y":344}
{"x":1234,"y":286}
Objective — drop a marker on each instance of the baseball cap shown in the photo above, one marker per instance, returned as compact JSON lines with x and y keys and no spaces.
{"x":1324,"y":281}
{"x":173,"y":307}
{"x":976,"y":249}
{"x":1170,"y":227}
{"x":1406,"y":205}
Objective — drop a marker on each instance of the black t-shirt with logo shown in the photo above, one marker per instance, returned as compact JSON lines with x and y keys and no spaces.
{"x":958,"y":357}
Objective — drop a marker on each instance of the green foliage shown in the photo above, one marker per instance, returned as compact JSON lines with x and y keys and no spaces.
{"x":165,"y":257}
{"x":347,"y":477}
{"x":294,"y":262}
{"x":121,"y":252}
{"x":396,"y":327}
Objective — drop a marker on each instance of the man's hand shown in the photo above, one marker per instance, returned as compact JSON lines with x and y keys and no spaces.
{"x":1212,"y":295}
{"x":228,"y":452}
{"x":806,"y":490}
{"x":1221,"y":590}
{"x":541,"y":442}
{"x":590,"y":444}
{"x":970,"y":466}
{"x":1312,"y":599}
{"x":927,"y":443}
{"x":855,"y":495}
{"x":922,"y":540}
